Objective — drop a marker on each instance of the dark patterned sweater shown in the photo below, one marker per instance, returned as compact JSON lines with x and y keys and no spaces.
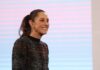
{"x":29,"y":54}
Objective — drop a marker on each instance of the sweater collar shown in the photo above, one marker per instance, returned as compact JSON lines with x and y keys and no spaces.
{"x":34,"y":39}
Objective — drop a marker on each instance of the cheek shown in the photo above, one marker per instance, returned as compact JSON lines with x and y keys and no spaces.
{"x":38,"y":27}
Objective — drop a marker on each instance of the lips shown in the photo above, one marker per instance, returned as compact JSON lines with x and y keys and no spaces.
{"x":45,"y":27}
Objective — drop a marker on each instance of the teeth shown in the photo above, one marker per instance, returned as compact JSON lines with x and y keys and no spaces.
{"x":44,"y":28}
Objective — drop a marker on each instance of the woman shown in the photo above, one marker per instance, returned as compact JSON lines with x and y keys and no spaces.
{"x":29,"y":52}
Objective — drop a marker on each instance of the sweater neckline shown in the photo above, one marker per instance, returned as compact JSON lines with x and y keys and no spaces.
{"x":34,"y":39}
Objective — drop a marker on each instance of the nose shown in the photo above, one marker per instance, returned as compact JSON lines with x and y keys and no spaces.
{"x":46,"y":23}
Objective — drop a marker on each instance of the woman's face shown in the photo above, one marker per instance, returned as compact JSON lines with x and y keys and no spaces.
{"x":40,"y":24}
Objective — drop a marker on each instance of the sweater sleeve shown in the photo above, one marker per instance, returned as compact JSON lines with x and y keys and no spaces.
{"x":19,"y":56}
{"x":47,"y":56}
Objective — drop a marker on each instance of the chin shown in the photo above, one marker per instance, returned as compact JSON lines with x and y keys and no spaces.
{"x":43,"y":33}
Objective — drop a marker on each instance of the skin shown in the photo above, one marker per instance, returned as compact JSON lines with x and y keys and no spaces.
{"x":40,"y":25}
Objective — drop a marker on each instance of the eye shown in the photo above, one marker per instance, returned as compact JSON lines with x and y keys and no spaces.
{"x":42,"y":20}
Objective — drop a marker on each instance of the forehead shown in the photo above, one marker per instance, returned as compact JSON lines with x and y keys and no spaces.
{"x":42,"y":15}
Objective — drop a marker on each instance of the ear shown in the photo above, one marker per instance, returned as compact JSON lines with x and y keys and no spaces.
{"x":30,"y":23}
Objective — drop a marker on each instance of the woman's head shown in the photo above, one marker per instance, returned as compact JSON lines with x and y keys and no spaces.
{"x":36,"y":22}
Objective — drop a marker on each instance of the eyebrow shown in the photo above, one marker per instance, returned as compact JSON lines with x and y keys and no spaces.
{"x":43,"y":18}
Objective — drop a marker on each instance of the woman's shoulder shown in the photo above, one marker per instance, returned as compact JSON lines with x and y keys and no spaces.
{"x":43,"y":43}
{"x":22,"y":39}
{"x":45,"y":46}
{"x":21,"y":44}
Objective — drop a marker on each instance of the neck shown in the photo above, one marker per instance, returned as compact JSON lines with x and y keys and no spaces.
{"x":35,"y":35}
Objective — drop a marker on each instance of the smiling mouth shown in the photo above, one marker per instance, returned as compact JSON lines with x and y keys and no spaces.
{"x":44,"y":28}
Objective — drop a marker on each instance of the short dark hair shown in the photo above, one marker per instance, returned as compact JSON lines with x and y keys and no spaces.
{"x":25,"y":26}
